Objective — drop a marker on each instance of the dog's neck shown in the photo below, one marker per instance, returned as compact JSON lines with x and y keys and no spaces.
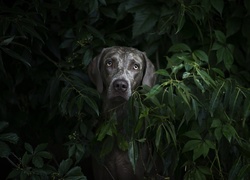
{"x":110,"y":106}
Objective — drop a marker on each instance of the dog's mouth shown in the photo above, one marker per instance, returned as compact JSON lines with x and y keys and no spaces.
{"x":119,"y":97}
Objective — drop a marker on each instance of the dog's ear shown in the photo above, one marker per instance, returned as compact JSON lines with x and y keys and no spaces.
{"x":149,"y":77}
{"x":94,"y":72}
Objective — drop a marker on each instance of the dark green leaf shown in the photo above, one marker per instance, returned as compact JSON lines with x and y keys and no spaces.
{"x":162,"y":72}
{"x":3,"y":125}
{"x":88,"y":56}
{"x":92,"y":104}
{"x":40,"y":147}
{"x":44,"y":154}
{"x":64,"y":166}
{"x":228,"y":131}
{"x":193,"y":134}
{"x":201,"y":55}
{"x":107,"y":146}
{"x":37,"y":161}
{"x":75,"y":173}
{"x":28,"y":147}
{"x":133,"y":153}
{"x":26,"y":159}
{"x":158,"y":136}
{"x":218,"y":5}
{"x":220,"y":36}
{"x":143,"y":22}
{"x":95,"y":32}
{"x":16,"y":56}
{"x":109,"y":12}
{"x":179,"y":48}
{"x":4,"y":150}
{"x":191,"y":145}
{"x":7,"y":41}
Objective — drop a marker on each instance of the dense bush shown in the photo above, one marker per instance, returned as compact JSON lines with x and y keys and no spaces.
{"x":196,"y":119}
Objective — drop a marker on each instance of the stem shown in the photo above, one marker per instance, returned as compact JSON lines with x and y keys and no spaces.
{"x":218,"y":160}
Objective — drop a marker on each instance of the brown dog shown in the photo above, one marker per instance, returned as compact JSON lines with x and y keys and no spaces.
{"x":117,"y":72}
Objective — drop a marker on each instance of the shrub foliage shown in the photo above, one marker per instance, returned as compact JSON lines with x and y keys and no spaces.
{"x":195,"y":119}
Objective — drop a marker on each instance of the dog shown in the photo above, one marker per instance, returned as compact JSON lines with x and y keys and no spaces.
{"x":117,"y":72}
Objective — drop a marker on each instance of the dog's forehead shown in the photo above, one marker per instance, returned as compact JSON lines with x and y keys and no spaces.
{"x":125,"y":54}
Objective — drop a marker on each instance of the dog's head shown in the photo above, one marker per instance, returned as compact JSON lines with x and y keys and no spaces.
{"x":117,"y":71}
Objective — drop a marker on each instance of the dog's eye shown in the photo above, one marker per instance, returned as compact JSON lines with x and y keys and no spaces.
{"x":109,"y":63}
{"x":136,"y":67}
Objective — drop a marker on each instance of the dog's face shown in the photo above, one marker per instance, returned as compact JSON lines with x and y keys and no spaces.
{"x":122,"y":72}
{"x":117,"y":71}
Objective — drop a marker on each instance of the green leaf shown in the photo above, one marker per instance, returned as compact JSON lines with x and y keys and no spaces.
{"x":195,"y":108}
{"x":218,"y":5}
{"x":16,"y":56}
{"x":44,"y":154}
{"x":220,"y":55}
{"x":83,"y":129}
{"x":186,"y":75}
{"x":143,"y":22}
{"x":181,"y":18}
{"x":179,"y":48}
{"x":14,"y":174}
{"x":92,"y":104}
{"x":64,"y":166}
{"x":3,"y":125}
{"x":220,"y":72}
{"x":191,"y":145}
{"x":28,"y":147}
{"x":177,"y":68}
{"x":38,"y":161}
{"x":75,"y":173}
{"x":122,"y":142}
{"x":40,"y":147}
{"x":193,"y":134}
{"x":7,"y":41}
{"x":206,"y":77}
{"x":201,"y":55}
{"x":162,"y":72}
{"x":158,"y":136}
{"x":198,"y":83}
{"x":109,"y":12}
{"x":88,"y":56}
{"x":26,"y":159}
{"x":154,"y":91}
{"x":133,"y":154}
{"x":228,"y":131}
{"x":216,"y":123}
{"x":10,"y":137}
{"x":220,"y":36}
{"x":228,"y":58}
{"x":218,"y":133}
{"x":107,"y":146}
{"x":96,"y":33}
{"x":4,"y":150}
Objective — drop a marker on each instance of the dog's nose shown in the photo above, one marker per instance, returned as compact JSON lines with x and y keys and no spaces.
{"x":120,"y":85}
